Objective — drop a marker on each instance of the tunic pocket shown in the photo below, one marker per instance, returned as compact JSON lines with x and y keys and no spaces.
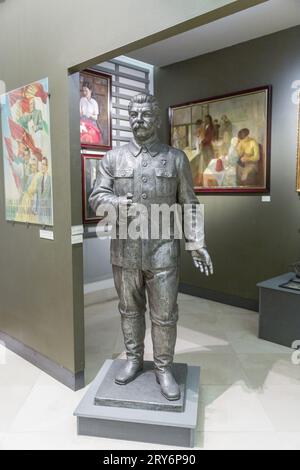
{"x":166,"y":181}
{"x":123,"y":181}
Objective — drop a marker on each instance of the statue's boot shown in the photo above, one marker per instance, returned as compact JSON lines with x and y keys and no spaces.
{"x":164,"y":339}
{"x":133,"y":328}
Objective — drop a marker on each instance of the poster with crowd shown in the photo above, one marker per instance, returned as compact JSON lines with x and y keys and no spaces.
{"x":27,"y":161}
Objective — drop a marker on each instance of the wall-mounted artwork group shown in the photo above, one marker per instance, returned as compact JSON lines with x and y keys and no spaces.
{"x":27,"y":154}
{"x":227,"y":141}
{"x":95,"y":131}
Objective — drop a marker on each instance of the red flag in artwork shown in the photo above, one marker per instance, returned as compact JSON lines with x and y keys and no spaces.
{"x":18,"y":97}
{"x":25,"y":105}
{"x":18,"y":133}
{"x":10,"y":151}
{"x":28,"y":141}
{"x":36,"y":90}
{"x":10,"y":159}
{"x":26,"y":94}
{"x":15,"y":96}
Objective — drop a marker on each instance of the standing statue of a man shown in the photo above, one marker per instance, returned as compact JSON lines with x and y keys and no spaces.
{"x":149,"y":172}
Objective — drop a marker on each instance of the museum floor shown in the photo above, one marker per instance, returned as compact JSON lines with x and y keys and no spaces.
{"x":249,"y":395}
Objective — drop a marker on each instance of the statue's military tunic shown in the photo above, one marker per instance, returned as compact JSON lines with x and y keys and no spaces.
{"x":156,"y":174}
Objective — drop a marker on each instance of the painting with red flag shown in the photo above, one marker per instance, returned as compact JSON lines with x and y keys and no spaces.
{"x":25,"y":121}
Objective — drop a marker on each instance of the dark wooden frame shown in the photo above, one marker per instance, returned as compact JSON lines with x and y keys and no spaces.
{"x":94,"y":73}
{"x":84,"y":158}
{"x":267,"y":188}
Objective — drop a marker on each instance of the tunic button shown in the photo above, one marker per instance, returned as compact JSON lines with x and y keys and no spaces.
{"x":145,"y":164}
{"x":144,"y":179}
{"x":144,"y":196}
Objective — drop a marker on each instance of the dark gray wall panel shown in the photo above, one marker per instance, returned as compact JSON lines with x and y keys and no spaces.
{"x":249,"y":240}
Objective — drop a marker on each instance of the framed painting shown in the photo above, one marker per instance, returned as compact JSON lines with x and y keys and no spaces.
{"x":27,"y":160}
{"x":227,"y":141}
{"x":95,"y":110}
{"x":90,"y":164}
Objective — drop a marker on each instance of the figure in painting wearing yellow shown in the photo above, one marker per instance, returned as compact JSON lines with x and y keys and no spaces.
{"x":249,"y":153}
{"x":239,"y":166}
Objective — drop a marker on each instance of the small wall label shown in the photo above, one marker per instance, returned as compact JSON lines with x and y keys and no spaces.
{"x":47,"y":234}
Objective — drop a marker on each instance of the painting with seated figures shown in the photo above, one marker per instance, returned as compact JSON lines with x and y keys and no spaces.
{"x":227,"y":141}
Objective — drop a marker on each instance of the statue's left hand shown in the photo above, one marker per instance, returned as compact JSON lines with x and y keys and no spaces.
{"x":202,"y":261}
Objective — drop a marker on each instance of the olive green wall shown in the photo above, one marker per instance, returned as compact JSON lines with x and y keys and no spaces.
{"x":41,"y":285}
{"x":249,"y":240}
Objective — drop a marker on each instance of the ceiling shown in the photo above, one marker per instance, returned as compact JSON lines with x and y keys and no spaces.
{"x":254,"y":22}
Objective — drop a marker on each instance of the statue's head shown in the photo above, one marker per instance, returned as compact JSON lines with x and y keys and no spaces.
{"x":144,"y":116}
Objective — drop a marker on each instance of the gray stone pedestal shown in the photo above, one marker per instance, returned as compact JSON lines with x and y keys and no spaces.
{"x":133,"y":424}
{"x":279,"y":311}
{"x":143,"y":393}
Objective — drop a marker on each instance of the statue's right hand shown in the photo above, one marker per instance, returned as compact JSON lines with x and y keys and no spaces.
{"x":126,"y":200}
{"x":125,"y":203}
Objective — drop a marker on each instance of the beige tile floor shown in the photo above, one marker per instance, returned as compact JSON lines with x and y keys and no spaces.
{"x":249,"y":397}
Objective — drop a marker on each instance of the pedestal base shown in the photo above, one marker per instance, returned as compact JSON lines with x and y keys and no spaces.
{"x":142,"y":393}
{"x":279,"y":319}
{"x":144,"y":425}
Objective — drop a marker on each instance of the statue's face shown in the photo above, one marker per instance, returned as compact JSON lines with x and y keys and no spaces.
{"x":143,"y":121}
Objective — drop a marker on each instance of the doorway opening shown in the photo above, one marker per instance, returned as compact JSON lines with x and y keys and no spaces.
{"x":189,"y":66}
